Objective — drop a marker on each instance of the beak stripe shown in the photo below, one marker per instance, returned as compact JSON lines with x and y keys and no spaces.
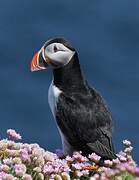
{"x":34,"y":62}
{"x":38,"y":61}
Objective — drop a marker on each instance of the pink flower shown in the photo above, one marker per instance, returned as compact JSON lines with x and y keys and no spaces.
{"x":2,"y":175}
{"x":85,"y":172}
{"x":79,"y":173}
{"x":108,"y":163}
{"x":24,"y":154}
{"x":56,"y":166}
{"x":116,"y":161}
{"x":121,"y":167}
{"x":122,"y":158}
{"x":27,"y":177}
{"x":136,"y":171}
{"x":48,"y":169}
{"x":77,"y":166}
{"x":130,"y":169}
{"x":77,"y":156}
{"x":20,"y":169}
{"x":13,"y":134}
{"x":110,"y":173}
{"x":69,"y":159}
{"x":94,"y":157}
{"x":95,"y":177}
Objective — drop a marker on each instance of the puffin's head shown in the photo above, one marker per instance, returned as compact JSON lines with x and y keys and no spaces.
{"x":55,"y":53}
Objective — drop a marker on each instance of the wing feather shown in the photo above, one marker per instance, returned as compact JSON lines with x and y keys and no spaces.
{"x":85,"y":121}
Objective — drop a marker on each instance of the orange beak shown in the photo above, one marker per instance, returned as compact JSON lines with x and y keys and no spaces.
{"x":38,"y":62}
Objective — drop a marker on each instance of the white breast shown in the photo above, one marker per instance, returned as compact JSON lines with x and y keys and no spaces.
{"x":53,"y":95}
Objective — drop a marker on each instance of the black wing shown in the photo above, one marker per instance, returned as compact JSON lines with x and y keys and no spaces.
{"x":86,"y":123}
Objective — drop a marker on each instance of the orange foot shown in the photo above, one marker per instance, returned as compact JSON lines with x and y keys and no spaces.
{"x":92,"y":167}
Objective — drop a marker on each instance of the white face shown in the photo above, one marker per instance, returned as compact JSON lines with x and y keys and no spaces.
{"x":58,"y":53}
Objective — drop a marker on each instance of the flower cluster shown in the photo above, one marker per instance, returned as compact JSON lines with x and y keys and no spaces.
{"x":13,"y":134}
{"x":31,"y":162}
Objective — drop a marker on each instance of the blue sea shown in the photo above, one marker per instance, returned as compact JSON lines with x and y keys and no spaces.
{"x":106,"y":36}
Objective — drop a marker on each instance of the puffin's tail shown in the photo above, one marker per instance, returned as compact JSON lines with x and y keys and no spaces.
{"x":101,"y":150}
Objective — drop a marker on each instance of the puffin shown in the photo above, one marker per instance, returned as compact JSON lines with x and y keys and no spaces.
{"x":83,"y":119}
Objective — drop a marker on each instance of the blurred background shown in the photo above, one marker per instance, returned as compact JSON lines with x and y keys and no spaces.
{"x":106,"y":35}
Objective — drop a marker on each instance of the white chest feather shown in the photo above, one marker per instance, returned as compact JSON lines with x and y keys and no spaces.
{"x":53,"y":95}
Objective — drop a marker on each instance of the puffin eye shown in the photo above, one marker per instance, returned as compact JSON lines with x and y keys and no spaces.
{"x":55,"y":48}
